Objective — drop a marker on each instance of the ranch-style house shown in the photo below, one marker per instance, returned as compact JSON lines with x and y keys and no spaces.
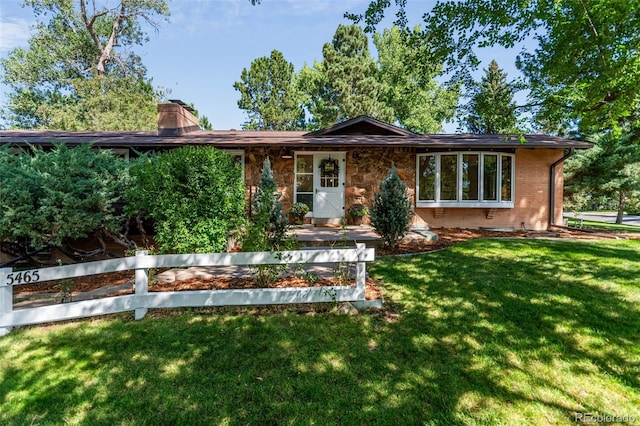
{"x":455,"y":180}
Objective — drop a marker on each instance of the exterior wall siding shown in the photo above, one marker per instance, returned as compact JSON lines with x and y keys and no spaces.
{"x":367,"y":167}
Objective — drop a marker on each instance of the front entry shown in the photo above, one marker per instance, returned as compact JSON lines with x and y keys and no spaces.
{"x":320,"y":183}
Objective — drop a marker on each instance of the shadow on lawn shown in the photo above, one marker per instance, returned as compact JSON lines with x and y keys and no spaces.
{"x":442,"y":347}
{"x":537,"y":307}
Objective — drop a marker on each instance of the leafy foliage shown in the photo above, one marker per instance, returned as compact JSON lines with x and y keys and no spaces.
{"x":418,"y":102}
{"x":391,"y":211}
{"x":71,"y":66}
{"x":492,"y":109}
{"x":194,"y":194}
{"x":585,"y":68}
{"x":269,"y":94}
{"x":611,"y":169}
{"x":47,"y":197}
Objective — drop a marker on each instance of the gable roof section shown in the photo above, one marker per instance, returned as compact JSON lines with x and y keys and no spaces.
{"x":362,"y":125}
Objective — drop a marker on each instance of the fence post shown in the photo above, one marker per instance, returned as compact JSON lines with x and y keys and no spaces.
{"x":6,"y":298}
{"x":142,"y":284}
{"x":361,"y":271}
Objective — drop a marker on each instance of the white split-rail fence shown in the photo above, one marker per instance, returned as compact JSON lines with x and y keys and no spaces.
{"x":142,"y":300}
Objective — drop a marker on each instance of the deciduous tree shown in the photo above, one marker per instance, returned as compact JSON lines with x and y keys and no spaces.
{"x":80,"y":57}
{"x":418,"y":101}
{"x":584,"y":69}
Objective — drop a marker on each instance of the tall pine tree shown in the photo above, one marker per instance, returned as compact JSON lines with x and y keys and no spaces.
{"x":269,"y":95}
{"x":492,"y":109}
{"x":345,"y":84}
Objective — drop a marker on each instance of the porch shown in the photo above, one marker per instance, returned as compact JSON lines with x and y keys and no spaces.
{"x":312,"y":236}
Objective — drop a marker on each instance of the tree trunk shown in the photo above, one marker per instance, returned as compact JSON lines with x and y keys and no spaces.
{"x":621,"y":205}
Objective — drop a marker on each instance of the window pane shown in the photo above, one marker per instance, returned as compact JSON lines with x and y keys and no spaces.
{"x":490,"y":180}
{"x":329,"y":182}
{"x":506,"y":178}
{"x":470,"y":182}
{"x":304,"y":164}
{"x":304,"y":183}
{"x":305,"y":198}
{"x":427,"y":178}
{"x":448,"y":177}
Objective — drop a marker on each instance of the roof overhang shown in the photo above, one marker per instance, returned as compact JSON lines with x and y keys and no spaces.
{"x":242,"y":139}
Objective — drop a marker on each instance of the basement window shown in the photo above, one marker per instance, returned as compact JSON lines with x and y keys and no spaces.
{"x":465,"y":179}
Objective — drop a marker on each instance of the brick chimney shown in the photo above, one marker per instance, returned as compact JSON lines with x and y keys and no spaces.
{"x":176,"y":119}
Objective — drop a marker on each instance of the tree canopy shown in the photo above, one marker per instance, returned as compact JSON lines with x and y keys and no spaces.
{"x":79,"y":58}
{"x":585,"y":69}
{"x":269,"y":94}
{"x":419,"y":103}
{"x":492,"y":109}
{"x":611,"y":169}
{"x":345,"y":84}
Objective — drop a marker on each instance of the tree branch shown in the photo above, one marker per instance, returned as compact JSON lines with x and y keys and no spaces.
{"x":106,"y":52}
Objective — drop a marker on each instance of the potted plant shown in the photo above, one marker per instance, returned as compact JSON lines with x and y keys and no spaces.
{"x":297,"y":213}
{"x":357,"y":211}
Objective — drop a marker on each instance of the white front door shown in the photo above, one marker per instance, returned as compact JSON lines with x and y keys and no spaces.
{"x":329,"y":176}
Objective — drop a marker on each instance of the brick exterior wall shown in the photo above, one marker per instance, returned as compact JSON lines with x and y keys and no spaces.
{"x":366,"y":167}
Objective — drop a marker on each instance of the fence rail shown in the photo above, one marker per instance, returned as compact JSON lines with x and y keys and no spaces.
{"x":142,"y":300}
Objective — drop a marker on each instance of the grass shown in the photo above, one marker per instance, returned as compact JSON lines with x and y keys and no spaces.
{"x":486,"y":332}
{"x":604,"y":226}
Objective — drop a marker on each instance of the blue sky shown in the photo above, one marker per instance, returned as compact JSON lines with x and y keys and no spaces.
{"x":201,"y":51}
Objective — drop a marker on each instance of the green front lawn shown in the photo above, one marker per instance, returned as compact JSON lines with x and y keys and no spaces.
{"x":486,"y":332}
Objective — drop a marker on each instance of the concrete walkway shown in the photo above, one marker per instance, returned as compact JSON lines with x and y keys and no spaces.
{"x":605,"y":217}
{"x":325,"y":235}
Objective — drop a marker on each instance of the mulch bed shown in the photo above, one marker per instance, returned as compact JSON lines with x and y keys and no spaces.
{"x":447,"y":238}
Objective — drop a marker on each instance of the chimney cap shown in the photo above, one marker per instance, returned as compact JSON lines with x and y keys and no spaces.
{"x":182,"y":104}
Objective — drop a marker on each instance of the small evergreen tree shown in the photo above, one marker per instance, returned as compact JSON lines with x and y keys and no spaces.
{"x":391,"y":211}
{"x":268,"y":225}
{"x":267,"y":228}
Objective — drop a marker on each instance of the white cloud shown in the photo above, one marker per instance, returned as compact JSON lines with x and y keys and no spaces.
{"x":14,"y":32}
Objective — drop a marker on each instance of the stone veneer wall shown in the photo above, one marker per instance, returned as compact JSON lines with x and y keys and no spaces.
{"x":283,"y":170}
{"x":367,"y":167}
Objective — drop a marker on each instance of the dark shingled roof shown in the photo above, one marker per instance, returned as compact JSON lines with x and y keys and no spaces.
{"x":361,"y":131}
{"x":232,"y":138}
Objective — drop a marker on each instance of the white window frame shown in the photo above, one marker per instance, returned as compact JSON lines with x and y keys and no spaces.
{"x":295,"y":176}
{"x":459,"y":202}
